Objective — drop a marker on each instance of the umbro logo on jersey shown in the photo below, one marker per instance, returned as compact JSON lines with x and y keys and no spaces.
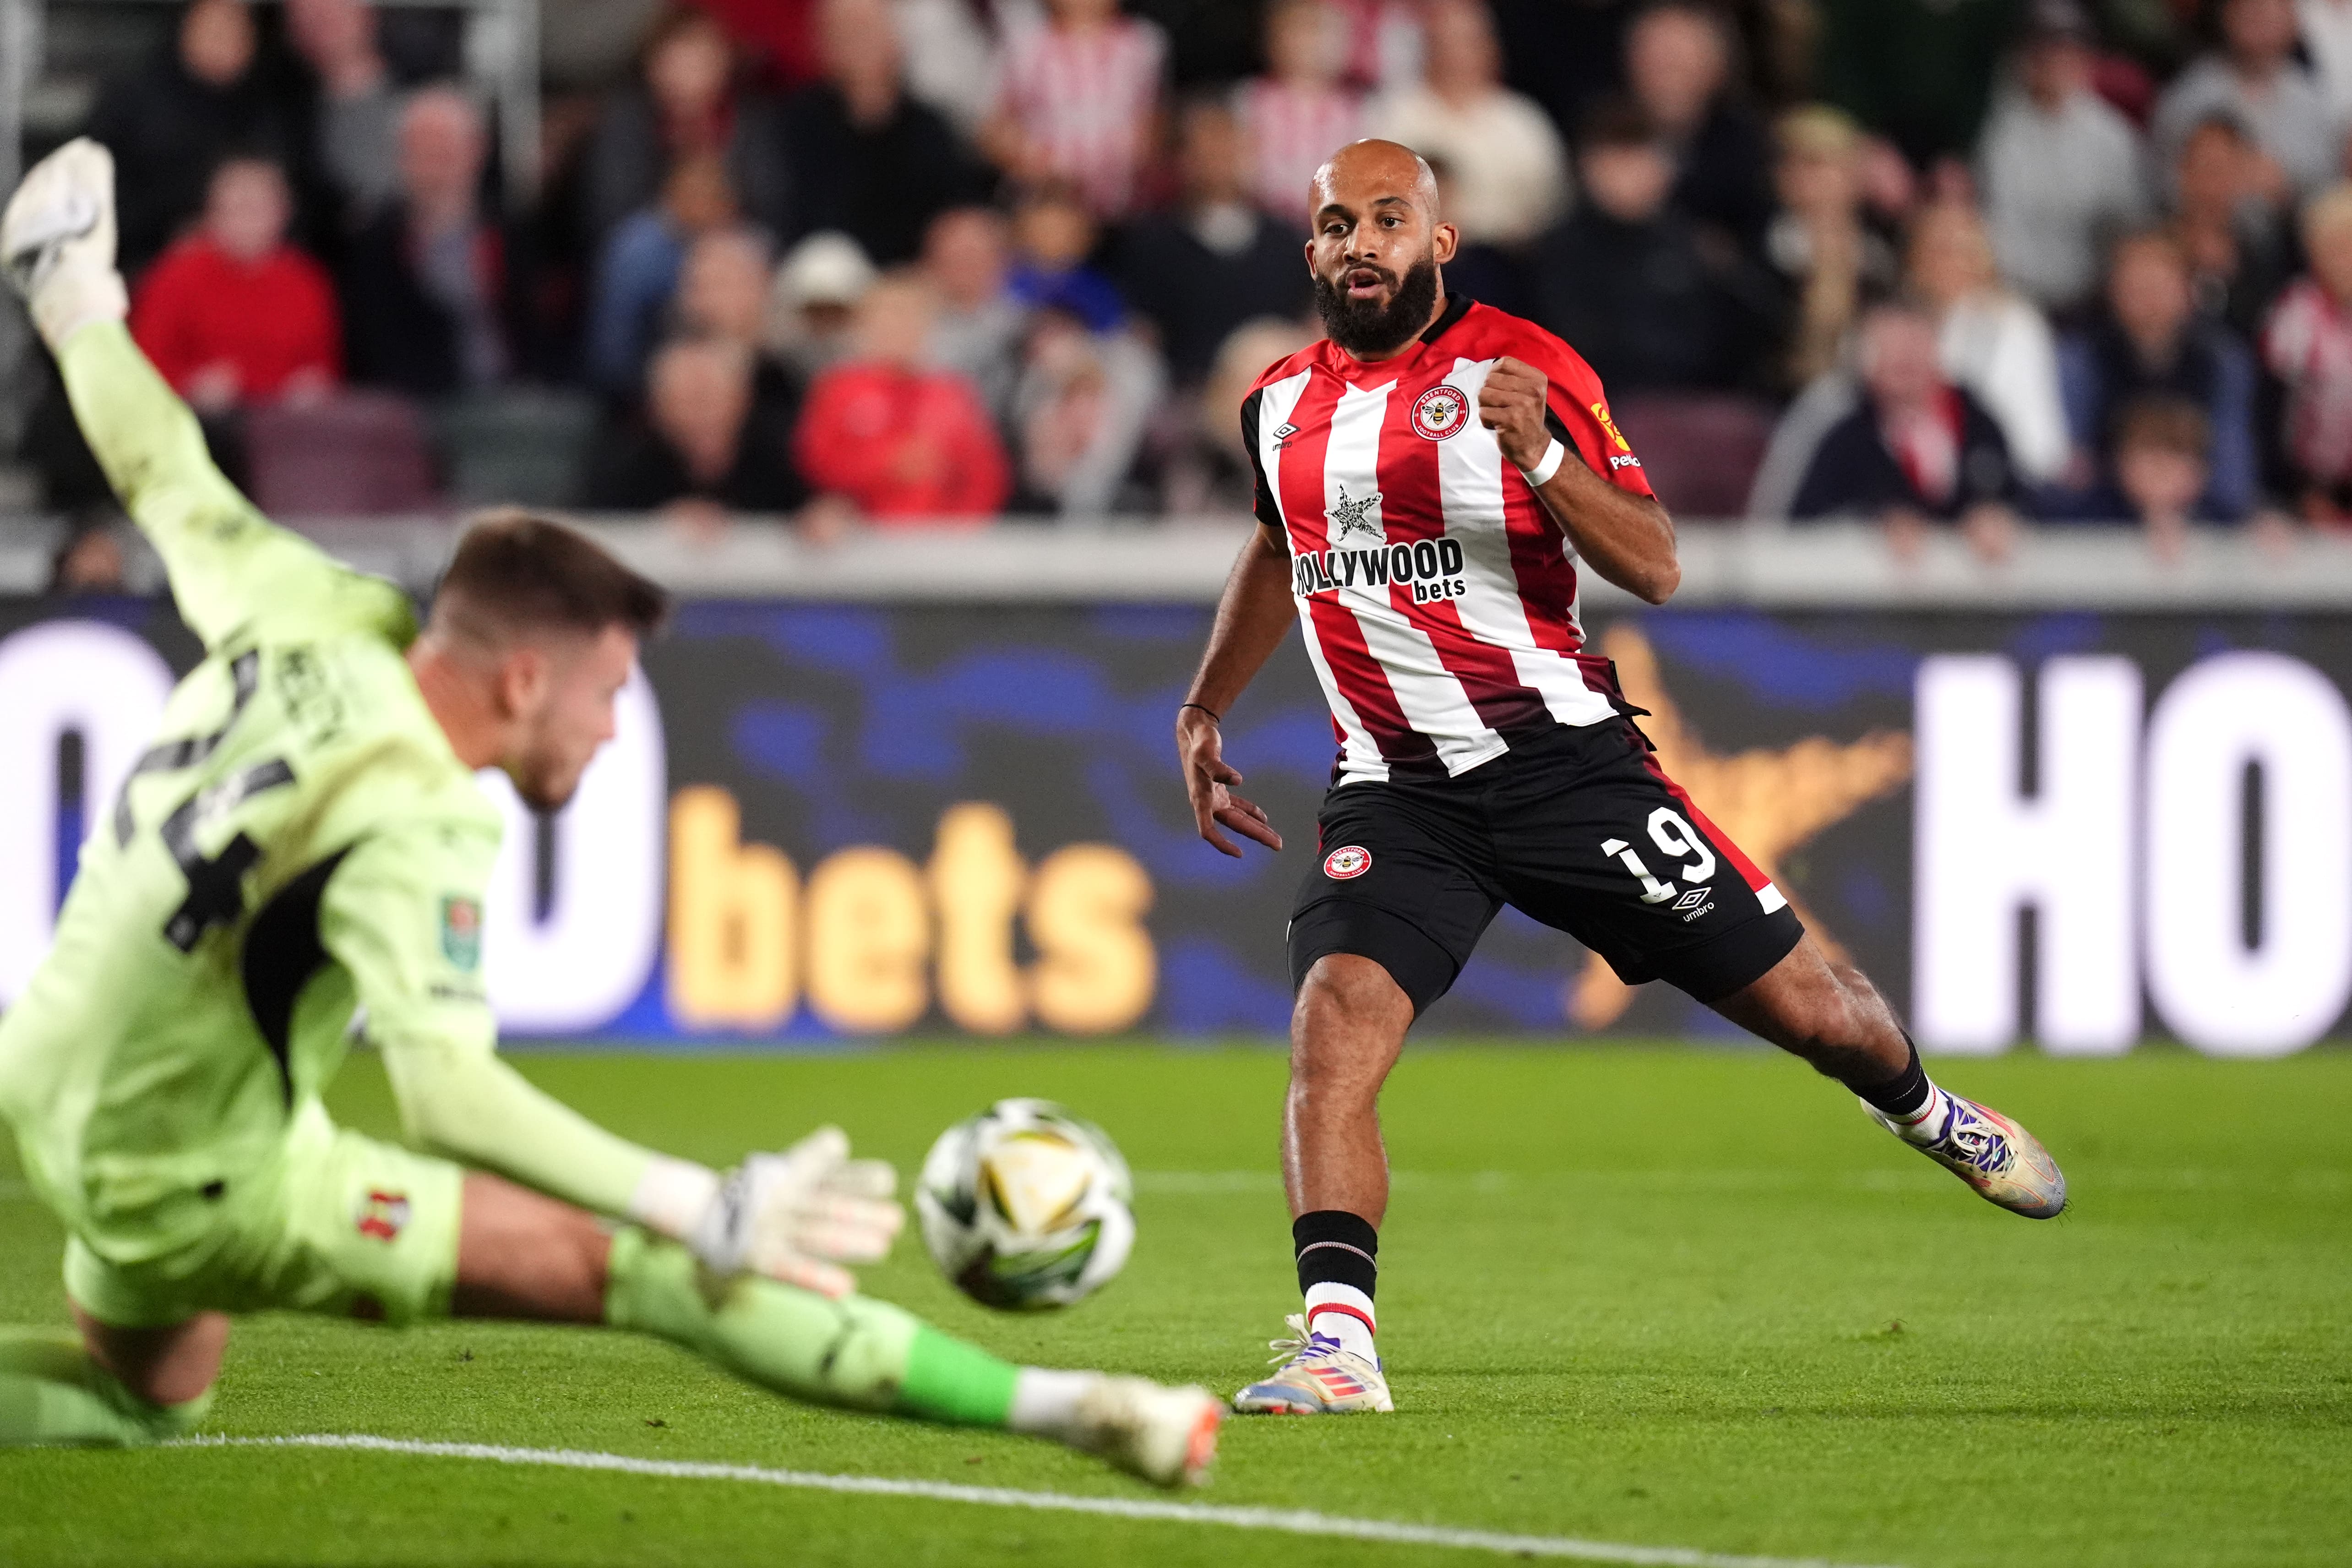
{"x":1352,"y":517}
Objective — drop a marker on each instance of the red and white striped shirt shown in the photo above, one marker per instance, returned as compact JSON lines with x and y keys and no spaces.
{"x":1293,"y":130}
{"x":1438,"y":596}
{"x":1086,"y":99}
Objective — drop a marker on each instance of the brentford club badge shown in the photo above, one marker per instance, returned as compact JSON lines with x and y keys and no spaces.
{"x":1440,"y":412}
{"x":1341,"y":863}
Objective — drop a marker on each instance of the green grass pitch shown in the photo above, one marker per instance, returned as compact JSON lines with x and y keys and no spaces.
{"x":1651,"y":1296}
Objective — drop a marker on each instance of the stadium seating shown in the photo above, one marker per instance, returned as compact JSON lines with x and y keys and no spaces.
{"x":357,"y":454}
{"x":1701,"y":449}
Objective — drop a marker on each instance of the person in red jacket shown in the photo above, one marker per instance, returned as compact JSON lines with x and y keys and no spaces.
{"x":231,"y":314}
{"x":888,"y":436}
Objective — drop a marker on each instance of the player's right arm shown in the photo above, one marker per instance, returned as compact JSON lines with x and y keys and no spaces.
{"x":1253,"y":614}
{"x":228,"y":565}
{"x":402,"y":912}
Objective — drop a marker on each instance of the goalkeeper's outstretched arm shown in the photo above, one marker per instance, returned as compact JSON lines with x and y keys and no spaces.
{"x":227,"y":562}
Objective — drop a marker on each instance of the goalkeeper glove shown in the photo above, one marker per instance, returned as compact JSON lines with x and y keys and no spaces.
{"x":796,"y":1216}
{"x":57,"y":242}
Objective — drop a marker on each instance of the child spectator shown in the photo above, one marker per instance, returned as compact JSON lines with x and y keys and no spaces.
{"x":1301,"y":111}
{"x":1509,"y":172}
{"x":867,"y":160}
{"x":636,"y":273}
{"x":2256,"y":79}
{"x":1994,"y":344}
{"x":896,"y":439}
{"x":2161,"y":473}
{"x":1217,"y":260}
{"x":172,"y":124}
{"x":976,"y":327}
{"x":2306,"y":344}
{"x":1053,"y":236}
{"x":1679,"y":70}
{"x":1076,"y":99}
{"x":1917,"y":448}
{"x":425,"y":281}
{"x":685,"y":107}
{"x":2060,"y":168}
{"x":1628,"y":280}
{"x":232,"y":314}
{"x":1826,"y":256}
{"x":2149,"y":344}
{"x":697,"y":456}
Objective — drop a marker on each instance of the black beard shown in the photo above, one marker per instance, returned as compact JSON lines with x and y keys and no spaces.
{"x":1369,"y":330}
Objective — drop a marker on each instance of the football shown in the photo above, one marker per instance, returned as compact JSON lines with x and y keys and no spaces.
{"x":1026,"y":1206}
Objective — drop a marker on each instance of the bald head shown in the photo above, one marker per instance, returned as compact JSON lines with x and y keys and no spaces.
{"x":1364,"y":174}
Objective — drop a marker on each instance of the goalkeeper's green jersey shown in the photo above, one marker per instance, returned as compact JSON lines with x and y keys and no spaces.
{"x":299,"y":841}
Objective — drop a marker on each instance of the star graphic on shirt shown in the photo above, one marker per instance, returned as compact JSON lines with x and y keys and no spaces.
{"x":1349,"y":516}
{"x":1769,"y":803}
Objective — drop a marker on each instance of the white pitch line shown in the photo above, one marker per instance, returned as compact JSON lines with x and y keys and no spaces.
{"x":1287,"y":1521}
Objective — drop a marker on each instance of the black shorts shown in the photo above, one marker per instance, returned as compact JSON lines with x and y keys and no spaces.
{"x":1577,"y":827}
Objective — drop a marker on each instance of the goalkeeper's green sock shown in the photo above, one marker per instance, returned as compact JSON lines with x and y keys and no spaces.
{"x":856,"y":1352}
{"x":52,"y":1392}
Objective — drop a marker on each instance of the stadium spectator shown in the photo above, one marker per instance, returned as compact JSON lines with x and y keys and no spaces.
{"x":1678,"y":68}
{"x":2147,"y":343}
{"x":697,"y":456}
{"x":1054,"y":236}
{"x":1077,"y":102}
{"x":895,"y":438}
{"x":2235,"y":243}
{"x":866,"y":159}
{"x":976,"y":327}
{"x":1917,"y":72}
{"x":2060,"y":168}
{"x":1994,"y":344}
{"x":813,"y":306}
{"x":425,"y":282}
{"x":357,"y":123}
{"x":2306,"y":344}
{"x":951,"y":59}
{"x":685,"y":108}
{"x":1917,"y":448}
{"x":1216,"y":261}
{"x":90,"y":558}
{"x":2256,"y":79}
{"x":636,"y":273}
{"x":1207,"y":472}
{"x":1565,"y":58}
{"x":170,"y":125}
{"x":777,"y":40}
{"x":232,"y":314}
{"x":1629,"y":280}
{"x":1302,"y":109}
{"x":1084,"y":403}
{"x":2161,"y":477}
{"x":1386,"y":42}
{"x":1826,"y":253}
{"x":1509,"y":173}
{"x":723,"y":292}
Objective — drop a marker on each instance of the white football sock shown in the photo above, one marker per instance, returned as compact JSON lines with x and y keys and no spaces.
{"x":1344,"y":1313}
{"x":1923,"y":1125}
{"x":1046,"y":1402}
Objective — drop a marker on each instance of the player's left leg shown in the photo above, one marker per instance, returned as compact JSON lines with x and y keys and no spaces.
{"x":522,"y":1254}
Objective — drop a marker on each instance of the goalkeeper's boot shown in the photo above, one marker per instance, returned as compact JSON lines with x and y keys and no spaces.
{"x":1167,"y":1436}
{"x":56,"y":241}
{"x":1316,"y":1376}
{"x":2004,"y":1163}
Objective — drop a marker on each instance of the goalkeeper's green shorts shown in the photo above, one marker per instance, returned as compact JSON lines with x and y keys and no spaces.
{"x":338,"y":1223}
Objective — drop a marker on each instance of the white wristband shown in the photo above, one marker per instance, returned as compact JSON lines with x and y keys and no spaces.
{"x":1554,"y":456}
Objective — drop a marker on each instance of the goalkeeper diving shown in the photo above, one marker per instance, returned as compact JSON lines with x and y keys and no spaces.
{"x":306,"y":839}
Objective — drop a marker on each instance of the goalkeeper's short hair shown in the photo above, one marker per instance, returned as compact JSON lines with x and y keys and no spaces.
{"x":517,"y":573}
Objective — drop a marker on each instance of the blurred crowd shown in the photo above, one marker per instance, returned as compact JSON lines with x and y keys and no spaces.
{"x":1967,"y":264}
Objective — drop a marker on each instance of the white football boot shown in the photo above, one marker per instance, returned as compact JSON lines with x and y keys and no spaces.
{"x":56,"y":241}
{"x":1316,"y":1376}
{"x":2004,"y":1163}
{"x":1166,"y":1435}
